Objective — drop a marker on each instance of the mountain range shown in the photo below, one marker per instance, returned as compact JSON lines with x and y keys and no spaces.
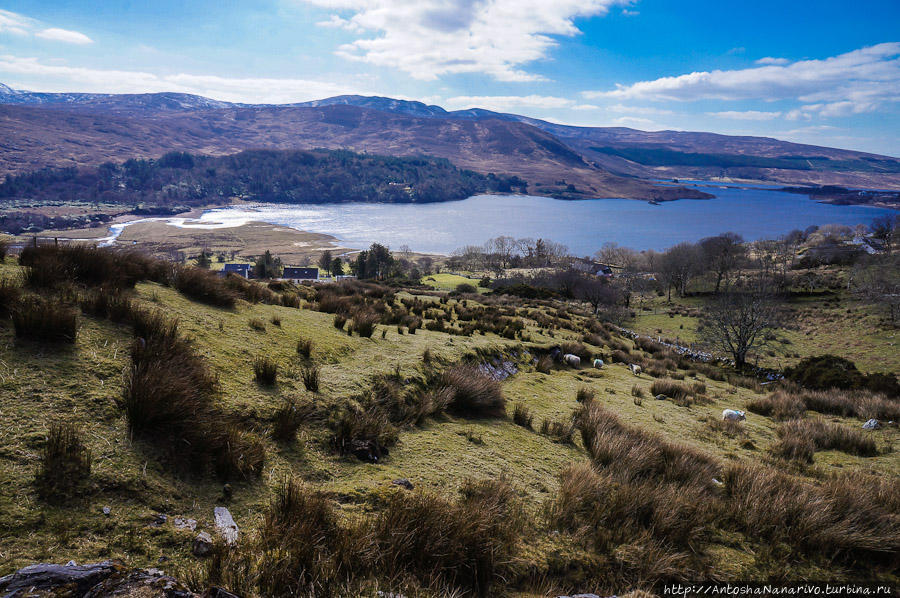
{"x":38,"y":130}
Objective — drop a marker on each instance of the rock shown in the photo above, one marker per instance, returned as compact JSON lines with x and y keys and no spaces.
{"x":159,"y":519}
{"x":226,"y":525}
{"x":203,"y":544}
{"x":403,"y":483}
{"x":367,"y":450}
{"x":872,"y":424}
{"x":46,"y":576}
{"x":218,"y":593}
{"x":149,"y":583}
{"x":661,"y":397}
{"x":717,"y":482}
{"x":182,"y":523}
{"x":107,"y":511}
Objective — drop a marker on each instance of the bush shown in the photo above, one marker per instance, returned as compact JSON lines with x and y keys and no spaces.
{"x":560,"y":432}
{"x":467,"y":543}
{"x":475,"y":394}
{"x":310,"y":376}
{"x":364,"y":322}
{"x":10,"y":292}
{"x":257,"y":324}
{"x":45,"y":320}
{"x":304,"y":348}
{"x":779,"y":405}
{"x":585,"y":395}
{"x":522,"y":416}
{"x":799,"y":439}
{"x":339,"y":321}
{"x":49,"y":266}
{"x":65,"y":463}
{"x":465,"y":287}
{"x":544,"y":364}
{"x":265,"y":370}
{"x":203,"y":286}
{"x":830,"y":371}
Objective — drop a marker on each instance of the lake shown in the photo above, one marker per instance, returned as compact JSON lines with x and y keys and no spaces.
{"x":583,"y":226}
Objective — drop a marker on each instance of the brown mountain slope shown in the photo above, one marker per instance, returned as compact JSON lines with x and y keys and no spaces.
{"x":33,"y":137}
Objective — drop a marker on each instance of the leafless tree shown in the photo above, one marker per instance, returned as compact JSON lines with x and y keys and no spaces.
{"x":737,"y":321}
{"x":878,"y":280}
{"x":723,"y":254}
{"x":679,"y":265}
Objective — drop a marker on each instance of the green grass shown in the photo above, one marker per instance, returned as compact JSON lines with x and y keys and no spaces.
{"x":82,"y":384}
{"x":449,"y":282}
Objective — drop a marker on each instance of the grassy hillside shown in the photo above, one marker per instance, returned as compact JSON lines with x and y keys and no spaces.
{"x":560,"y":546}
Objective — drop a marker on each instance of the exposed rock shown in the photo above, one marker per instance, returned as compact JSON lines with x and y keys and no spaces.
{"x":149,"y":583}
{"x":367,"y":450}
{"x":403,"y":483}
{"x":77,"y":579}
{"x":182,"y":523}
{"x":660,"y":397}
{"x":203,"y":544}
{"x":226,"y":525}
{"x":872,"y":424}
{"x":107,"y":511}
{"x":159,"y":520}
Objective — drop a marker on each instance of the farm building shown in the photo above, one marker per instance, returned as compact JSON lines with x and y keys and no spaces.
{"x":299,"y":274}
{"x":595,"y":268}
{"x":240,"y":269}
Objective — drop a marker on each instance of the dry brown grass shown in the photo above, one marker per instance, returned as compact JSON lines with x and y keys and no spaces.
{"x":475,"y":394}
{"x":779,"y":405}
{"x":800,"y":439}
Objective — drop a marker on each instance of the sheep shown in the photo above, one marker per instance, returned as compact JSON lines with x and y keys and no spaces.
{"x":598,"y":364}
{"x":733,"y":415}
{"x":635,"y":369}
{"x":572,"y":360}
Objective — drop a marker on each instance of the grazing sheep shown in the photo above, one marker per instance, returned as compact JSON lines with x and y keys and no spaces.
{"x":572,"y":360}
{"x":635,"y":369}
{"x":598,"y":364}
{"x":733,"y":415}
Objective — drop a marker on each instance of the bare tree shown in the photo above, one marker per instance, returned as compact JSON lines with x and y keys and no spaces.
{"x":679,"y":265}
{"x":723,"y":254}
{"x":884,"y":228}
{"x":878,"y":281}
{"x":597,"y":292}
{"x":737,"y":321}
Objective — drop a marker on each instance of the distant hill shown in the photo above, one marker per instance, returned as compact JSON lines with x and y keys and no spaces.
{"x":60,"y":129}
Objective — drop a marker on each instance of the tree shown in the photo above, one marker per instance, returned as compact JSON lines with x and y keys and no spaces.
{"x":884,"y":228}
{"x":678,"y":266}
{"x":203,"y":261}
{"x":877,"y":280}
{"x":325,"y":261}
{"x":336,"y":267}
{"x":736,"y":321}
{"x":267,"y":266}
{"x":723,"y":254}
{"x":597,"y":292}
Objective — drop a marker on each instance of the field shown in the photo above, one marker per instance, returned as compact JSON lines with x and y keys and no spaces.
{"x":83,"y":383}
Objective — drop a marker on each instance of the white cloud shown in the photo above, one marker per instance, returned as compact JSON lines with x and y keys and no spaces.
{"x":64,"y":35}
{"x":634,"y":121}
{"x":630,"y":13}
{"x":644,"y":110}
{"x":18,"y":24}
{"x":431,"y":38}
{"x":746,"y":115}
{"x":502,"y":103}
{"x":34,"y":75}
{"x":771,"y":60}
{"x":858,"y":81}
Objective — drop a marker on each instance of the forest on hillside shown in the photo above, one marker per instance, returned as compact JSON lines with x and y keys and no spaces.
{"x":179,"y":179}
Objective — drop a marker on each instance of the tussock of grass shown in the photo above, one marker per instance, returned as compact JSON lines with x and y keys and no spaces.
{"x":265,"y":370}
{"x":779,"y":405}
{"x":65,"y":464}
{"x":45,"y":320}
{"x":522,"y":416}
{"x":800,"y":439}
{"x":475,"y":394}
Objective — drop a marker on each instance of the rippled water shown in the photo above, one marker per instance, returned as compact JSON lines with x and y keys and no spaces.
{"x":583,"y":226}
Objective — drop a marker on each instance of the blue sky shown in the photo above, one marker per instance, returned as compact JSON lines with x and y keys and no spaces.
{"x":825,"y":72}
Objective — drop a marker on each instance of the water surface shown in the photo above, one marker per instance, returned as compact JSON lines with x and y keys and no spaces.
{"x":583,"y":226}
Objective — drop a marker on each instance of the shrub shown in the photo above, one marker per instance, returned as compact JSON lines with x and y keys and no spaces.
{"x":287,"y":420}
{"x":364,"y":322}
{"x":65,"y":463}
{"x":779,"y":405}
{"x":45,"y":320}
{"x":10,"y":292}
{"x":799,"y":439}
{"x":585,"y":395}
{"x":544,"y":364}
{"x":48,"y":266}
{"x":339,"y":321}
{"x":467,"y":543}
{"x":475,"y":394}
{"x":203,"y":285}
{"x":560,"y":432}
{"x":310,"y":376}
{"x":4,"y":248}
{"x":265,"y":370}
{"x":465,"y":287}
{"x":257,"y":324}
{"x":304,"y":348}
{"x":522,"y":416}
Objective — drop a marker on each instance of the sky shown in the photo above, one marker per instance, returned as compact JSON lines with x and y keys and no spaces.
{"x":824,"y":72}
